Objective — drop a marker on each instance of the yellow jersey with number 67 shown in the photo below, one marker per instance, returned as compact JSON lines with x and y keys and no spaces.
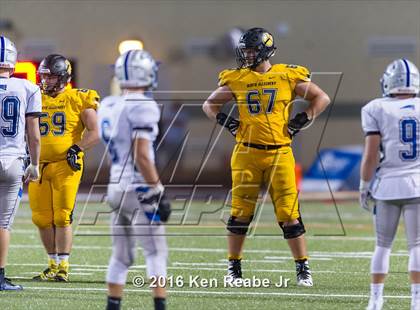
{"x":263,"y":101}
{"x":60,"y":124}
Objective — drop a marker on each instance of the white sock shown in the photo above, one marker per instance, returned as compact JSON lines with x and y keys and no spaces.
{"x":415,"y":291}
{"x":63,"y":257}
{"x":54,"y":257}
{"x":376,"y":290}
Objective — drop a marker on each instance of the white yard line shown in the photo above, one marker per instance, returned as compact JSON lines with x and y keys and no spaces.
{"x":106,"y":232}
{"x":234,"y":292}
{"x":175,"y":266}
{"x":313,"y":254}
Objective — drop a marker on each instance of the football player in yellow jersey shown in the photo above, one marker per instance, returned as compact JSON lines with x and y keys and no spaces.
{"x":68,"y":127}
{"x":263,"y":155}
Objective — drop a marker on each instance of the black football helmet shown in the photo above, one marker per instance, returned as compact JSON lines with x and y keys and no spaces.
{"x":54,"y":65}
{"x":257,"y":39}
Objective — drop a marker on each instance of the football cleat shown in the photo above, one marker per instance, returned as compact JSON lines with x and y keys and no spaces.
{"x":63,"y":272}
{"x":375,"y":304}
{"x":303,"y":274}
{"x":7,"y":285}
{"x":49,"y":273}
{"x":234,"y":269}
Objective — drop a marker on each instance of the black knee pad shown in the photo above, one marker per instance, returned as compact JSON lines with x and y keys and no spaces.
{"x":238,"y":228}
{"x":293,"y":231}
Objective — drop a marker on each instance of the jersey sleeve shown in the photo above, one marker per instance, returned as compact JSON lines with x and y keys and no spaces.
{"x":34,"y":101}
{"x":298,"y":73}
{"x":226,"y":76}
{"x":144,"y":120}
{"x":369,"y":122}
{"x":90,"y":98}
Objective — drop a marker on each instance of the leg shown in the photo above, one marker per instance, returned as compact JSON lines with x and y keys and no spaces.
{"x":155,"y":250}
{"x":65,"y":184}
{"x":236,"y":242}
{"x":40,"y":202}
{"x":280,"y":179}
{"x":411,"y":214}
{"x":64,"y":239}
{"x":246,"y":182}
{"x":123,"y":255}
{"x":4,"y":245}
{"x":48,"y":239}
{"x":386,"y":220}
{"x":10,"y":196}
{"x":123,"y":248}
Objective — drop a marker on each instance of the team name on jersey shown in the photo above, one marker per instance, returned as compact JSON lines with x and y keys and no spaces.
{"x":261,"y":84}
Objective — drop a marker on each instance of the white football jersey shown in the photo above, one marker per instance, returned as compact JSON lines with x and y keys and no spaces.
{"x":397,"y":121}
{"x":122,"y":119}
{"x":18,"y":98}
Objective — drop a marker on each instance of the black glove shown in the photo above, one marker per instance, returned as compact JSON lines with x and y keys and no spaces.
{"x":164,"y":209}
{"x":229,"y":122}
{"x":297,"y":123}
{"x":73,"y":154}
{"x":153,"y":198}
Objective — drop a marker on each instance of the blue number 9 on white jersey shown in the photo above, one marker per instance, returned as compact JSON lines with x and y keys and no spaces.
{"x":121,"y":120}
{"x":397,"y":121}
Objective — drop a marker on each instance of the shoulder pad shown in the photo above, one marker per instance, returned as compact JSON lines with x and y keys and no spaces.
{"x":297,"y":72}
{"x":228,"y":75}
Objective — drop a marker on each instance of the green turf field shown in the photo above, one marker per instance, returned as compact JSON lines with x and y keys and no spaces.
{"x":339,"y":260}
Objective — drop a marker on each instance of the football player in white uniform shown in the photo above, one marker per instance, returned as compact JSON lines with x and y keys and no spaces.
{"x":20,"y":108}
{"x":129,"y":126}
{"x":392,"y":148}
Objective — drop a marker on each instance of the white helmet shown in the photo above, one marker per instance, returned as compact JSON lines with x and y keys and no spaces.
{"x":136,"y":68}
{"x":8,"y":53}
{"x":400,"y":77}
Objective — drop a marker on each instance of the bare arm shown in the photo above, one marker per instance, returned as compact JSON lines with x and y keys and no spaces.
{"x":216,"y":100}
{"x":370,"y":157}
{"x":318,"y":99}
{"x":34,"y":138}
{"x":91,"y":134}
{"x":143,"y":162}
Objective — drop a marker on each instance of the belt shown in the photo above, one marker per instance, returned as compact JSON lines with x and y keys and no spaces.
{"x":265,"y":147}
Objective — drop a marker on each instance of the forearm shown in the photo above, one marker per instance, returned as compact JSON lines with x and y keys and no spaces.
{"x":368,"y":168}
{"x":216,"y":100}
{"x":89,"y":139}
{"x":317,"y":105}
{"x":148,"y":170}
{"x":211,"y":109}
{"x":34,"y":147}
{"x":33,"y":138}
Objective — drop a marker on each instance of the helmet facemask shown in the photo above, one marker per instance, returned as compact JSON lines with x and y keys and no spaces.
{"x":52,"y":82}
{"x":255,"y":46}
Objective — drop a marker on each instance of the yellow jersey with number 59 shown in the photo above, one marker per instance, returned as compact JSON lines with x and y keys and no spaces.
{"x":263,"y":101}
{"x":60,"y":124}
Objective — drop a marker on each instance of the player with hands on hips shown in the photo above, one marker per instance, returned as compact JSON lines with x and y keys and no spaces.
{"x":263,"y":134}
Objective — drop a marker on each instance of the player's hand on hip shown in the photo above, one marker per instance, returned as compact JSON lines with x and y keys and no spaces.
{"x":297,"y":123}
{"x":155,"y":204}
{"x":228,"y":122}
{"x":74,"y":153}
{"x":31,"y":173}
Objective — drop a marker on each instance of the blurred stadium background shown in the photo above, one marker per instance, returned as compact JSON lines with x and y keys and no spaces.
{"x":346,"y":44}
